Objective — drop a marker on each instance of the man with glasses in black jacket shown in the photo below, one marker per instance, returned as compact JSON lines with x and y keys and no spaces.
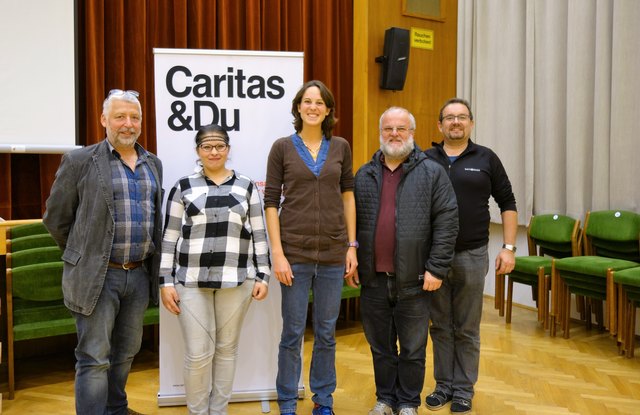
{"x":476,"y":174}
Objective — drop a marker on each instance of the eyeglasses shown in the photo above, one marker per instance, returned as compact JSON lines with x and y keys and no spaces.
{"x":124,"y":92}
{"x":220,"y":148}
{"x":399,"y":130}
{"x":461,"y":118}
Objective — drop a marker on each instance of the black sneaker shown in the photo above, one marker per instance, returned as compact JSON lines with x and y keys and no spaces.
{"x":460,"y":406}
{"x":437,"y":400}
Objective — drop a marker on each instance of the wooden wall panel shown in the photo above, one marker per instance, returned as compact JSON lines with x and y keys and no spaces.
{"x":430,"y":81}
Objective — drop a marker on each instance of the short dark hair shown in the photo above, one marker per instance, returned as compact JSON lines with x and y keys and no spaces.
{"x":211,"y":128}
{"x":456,"y":101}
{"x":329,"y":121}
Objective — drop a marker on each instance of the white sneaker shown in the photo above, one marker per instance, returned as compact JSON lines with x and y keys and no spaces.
{"x":382,"y":408}
{"x":408,"y":411}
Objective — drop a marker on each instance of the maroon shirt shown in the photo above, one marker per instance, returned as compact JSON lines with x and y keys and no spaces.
{"x":385,"y":238}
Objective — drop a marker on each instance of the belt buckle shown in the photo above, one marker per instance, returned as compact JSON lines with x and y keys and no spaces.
{"x":124,"y":267}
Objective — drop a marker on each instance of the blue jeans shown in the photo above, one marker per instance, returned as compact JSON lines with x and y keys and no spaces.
{"x":455,"y":323}
{"x":108,"y":340}
{"x":326,"y":282}
{"x":387,"y":322}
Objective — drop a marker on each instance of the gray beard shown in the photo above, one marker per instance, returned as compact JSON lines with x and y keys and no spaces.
{"x":399,"y":153}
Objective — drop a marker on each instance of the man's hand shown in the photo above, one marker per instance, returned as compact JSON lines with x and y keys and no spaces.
{"x":431,"y":283}
{"x":505,"y":261}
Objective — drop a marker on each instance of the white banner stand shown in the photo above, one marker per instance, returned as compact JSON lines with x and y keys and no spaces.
{"x":249,"y":93}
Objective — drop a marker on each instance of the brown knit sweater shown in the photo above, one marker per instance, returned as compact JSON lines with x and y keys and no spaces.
{"x":312,"y":223}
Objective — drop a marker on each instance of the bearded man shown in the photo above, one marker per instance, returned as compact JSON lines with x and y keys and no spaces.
{"x":407,"y":224}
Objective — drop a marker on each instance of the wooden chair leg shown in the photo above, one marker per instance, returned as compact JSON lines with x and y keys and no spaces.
{"x":10,"y":343}
{"x":11,"y":364}
{"x":612,"y":318}
{"x":509,"y":300}
{"x":553,"y":311}
{"x":588,"y":310}
{"x":499,"y":299}
{"x":631,"y":328}
{"x":547,"y":300}
{"x":496,"y":300}
{"x":561,"y":303}
{"x":541,"y":295}
{"x":625,"y":322}
{"x":622,"y":321}
{"x":600,"y":314}
{"x":581,"y":307}
{"x":566,"y":311}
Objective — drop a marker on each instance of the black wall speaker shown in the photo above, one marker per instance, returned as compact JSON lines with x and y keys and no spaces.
{"x":395,"y":60}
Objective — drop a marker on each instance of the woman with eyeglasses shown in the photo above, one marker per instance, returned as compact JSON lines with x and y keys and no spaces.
{"x":215,"y":259}
{"x":312,"y":240}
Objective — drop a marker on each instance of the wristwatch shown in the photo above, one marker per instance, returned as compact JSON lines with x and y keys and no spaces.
{"x":510,"y":247}
{"x":353,"y":244}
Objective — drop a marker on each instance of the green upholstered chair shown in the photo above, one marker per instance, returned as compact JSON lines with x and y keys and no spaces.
{"x":30,"y":241}
{"x":548,"y":236}
{"x":36,"y":228}
{"x":611,"y":243}
{"x":35,"y":306}
{"x":7,"y":225}
{"x":34,"y":256}
{"x":628,"y":284}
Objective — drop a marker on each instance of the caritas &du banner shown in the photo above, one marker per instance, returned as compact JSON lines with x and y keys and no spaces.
{"x":248,"y":93}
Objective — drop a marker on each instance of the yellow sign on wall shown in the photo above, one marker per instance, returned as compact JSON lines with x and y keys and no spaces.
{"x":421,"y":38}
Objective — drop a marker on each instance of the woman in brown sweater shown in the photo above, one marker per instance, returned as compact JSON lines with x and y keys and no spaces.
{"x":310,"y":180}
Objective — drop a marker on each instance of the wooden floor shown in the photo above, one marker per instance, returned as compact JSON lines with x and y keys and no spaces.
{"x":522,"y":371}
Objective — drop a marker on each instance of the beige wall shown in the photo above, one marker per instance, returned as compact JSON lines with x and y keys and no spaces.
{"x":431,"y":78}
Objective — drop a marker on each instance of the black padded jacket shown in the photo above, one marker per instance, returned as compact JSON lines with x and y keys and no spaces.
{"x":426,"y":221}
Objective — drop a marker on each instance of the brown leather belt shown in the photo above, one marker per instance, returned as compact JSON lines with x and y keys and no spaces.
{"x":127,"y":266}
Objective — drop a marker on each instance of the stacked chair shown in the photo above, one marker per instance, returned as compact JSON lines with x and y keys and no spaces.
{"x":34,"y":300}
{"x":35,"y":307}
{"x":611,"y":243}
{"x":628,"y":284}
{"x":549,"y":236}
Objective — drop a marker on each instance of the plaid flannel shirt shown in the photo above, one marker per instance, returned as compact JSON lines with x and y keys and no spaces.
{"x":214,"y":235}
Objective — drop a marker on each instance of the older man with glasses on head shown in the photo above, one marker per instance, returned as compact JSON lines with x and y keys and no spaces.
{"x":407,"y":223}
{"x":104,"y":211}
